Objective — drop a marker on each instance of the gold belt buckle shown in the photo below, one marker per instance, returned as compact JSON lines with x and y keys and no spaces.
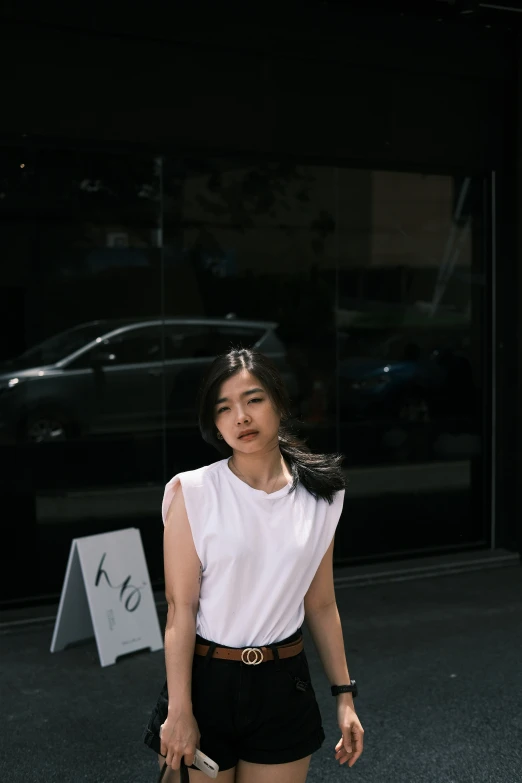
{"x":258,"y":656}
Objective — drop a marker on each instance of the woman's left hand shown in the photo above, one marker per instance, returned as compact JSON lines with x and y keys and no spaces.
{"x":350,"y":746}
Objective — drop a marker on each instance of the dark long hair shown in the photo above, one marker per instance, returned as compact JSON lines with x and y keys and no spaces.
{"x":320,"y":474}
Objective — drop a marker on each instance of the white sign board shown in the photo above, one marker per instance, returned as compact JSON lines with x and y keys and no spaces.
{"x":107,"y":594}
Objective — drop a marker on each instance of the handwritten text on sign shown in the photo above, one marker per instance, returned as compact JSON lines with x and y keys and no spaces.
{"x":107,"y":589}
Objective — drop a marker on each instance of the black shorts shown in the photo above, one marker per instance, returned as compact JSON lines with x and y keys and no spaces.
{"x":265,"y":714}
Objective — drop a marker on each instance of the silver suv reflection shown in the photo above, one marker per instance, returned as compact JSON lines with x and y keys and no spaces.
{"x":115,"y":376}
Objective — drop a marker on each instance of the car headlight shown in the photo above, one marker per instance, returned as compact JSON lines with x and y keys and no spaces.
{"x":11,"y":384}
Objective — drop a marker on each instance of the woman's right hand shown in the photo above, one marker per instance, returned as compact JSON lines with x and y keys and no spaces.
{"x":179,"y":738}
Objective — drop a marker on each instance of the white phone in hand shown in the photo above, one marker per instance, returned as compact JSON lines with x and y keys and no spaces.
{"x":205,"y":764}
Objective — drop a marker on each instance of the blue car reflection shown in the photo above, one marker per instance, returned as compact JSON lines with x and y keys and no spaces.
{"x":410,"y":389}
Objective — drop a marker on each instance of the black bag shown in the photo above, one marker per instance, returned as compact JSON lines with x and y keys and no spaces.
{"x":152,"y":740}
{"x":183,"y":772}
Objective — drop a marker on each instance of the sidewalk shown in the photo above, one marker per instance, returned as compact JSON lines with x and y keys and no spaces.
{"x":437,"y":659}
{"x":355,"y":576}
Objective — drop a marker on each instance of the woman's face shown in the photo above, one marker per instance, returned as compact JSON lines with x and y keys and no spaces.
{"x":243,"y":406}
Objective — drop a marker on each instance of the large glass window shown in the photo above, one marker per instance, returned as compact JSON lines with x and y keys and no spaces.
{"x":255,"y":243}
{"x":81,"y":394}
{"x":410,"y":359}
{"x":373,"y":283}
{"x":127,"y":275}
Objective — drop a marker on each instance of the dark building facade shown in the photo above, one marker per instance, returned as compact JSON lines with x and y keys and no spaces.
{"x":340,"y":190}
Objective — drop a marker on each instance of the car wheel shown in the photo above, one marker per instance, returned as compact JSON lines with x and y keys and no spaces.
{"x":46,"y":427}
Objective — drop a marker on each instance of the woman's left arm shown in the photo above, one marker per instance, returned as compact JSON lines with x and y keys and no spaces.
{"x":324,"y":623}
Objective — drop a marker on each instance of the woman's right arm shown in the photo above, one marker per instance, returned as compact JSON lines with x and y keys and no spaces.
{"x":180,"y":733}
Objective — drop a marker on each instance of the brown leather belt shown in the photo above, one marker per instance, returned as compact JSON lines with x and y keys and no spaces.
{"x":252,"y":656}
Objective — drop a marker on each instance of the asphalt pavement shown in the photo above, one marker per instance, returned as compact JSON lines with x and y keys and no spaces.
{"x":437,"y":661}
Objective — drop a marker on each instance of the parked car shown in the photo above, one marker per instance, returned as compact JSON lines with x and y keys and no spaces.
{"x":112,"y":376}
{"x":373,"y":389}
{"x":406,"y":378}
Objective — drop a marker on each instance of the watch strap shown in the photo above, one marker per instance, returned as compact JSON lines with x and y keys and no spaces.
{"x":351,"y":688}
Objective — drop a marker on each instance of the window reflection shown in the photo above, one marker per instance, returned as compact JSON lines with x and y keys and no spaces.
{"x":258,"y":241}
{"x":410,"y":358}
{"x":81,"y":430}
{"x":367,"y":277}
{"x":363,"y":286}
{"x":408,"y":318}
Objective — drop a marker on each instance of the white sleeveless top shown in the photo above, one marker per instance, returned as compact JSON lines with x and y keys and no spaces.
{"x":259,"y":553}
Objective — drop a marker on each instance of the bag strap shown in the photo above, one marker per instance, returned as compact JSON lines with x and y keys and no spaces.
{"x":183,"y":772}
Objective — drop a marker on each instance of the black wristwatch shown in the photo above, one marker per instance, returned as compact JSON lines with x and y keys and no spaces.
{"x":351,"y":688}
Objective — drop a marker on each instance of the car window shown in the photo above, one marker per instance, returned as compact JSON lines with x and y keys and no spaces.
{"x":187,"y":341}
{"x":202,"y":341}
{"x":58,"y":347}
{"x":135,"y":346}
{"x":226,"y":337}
{"x":270,"y":343}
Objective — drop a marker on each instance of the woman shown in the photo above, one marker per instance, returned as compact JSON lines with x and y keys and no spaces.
{"x":248,"y":551}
